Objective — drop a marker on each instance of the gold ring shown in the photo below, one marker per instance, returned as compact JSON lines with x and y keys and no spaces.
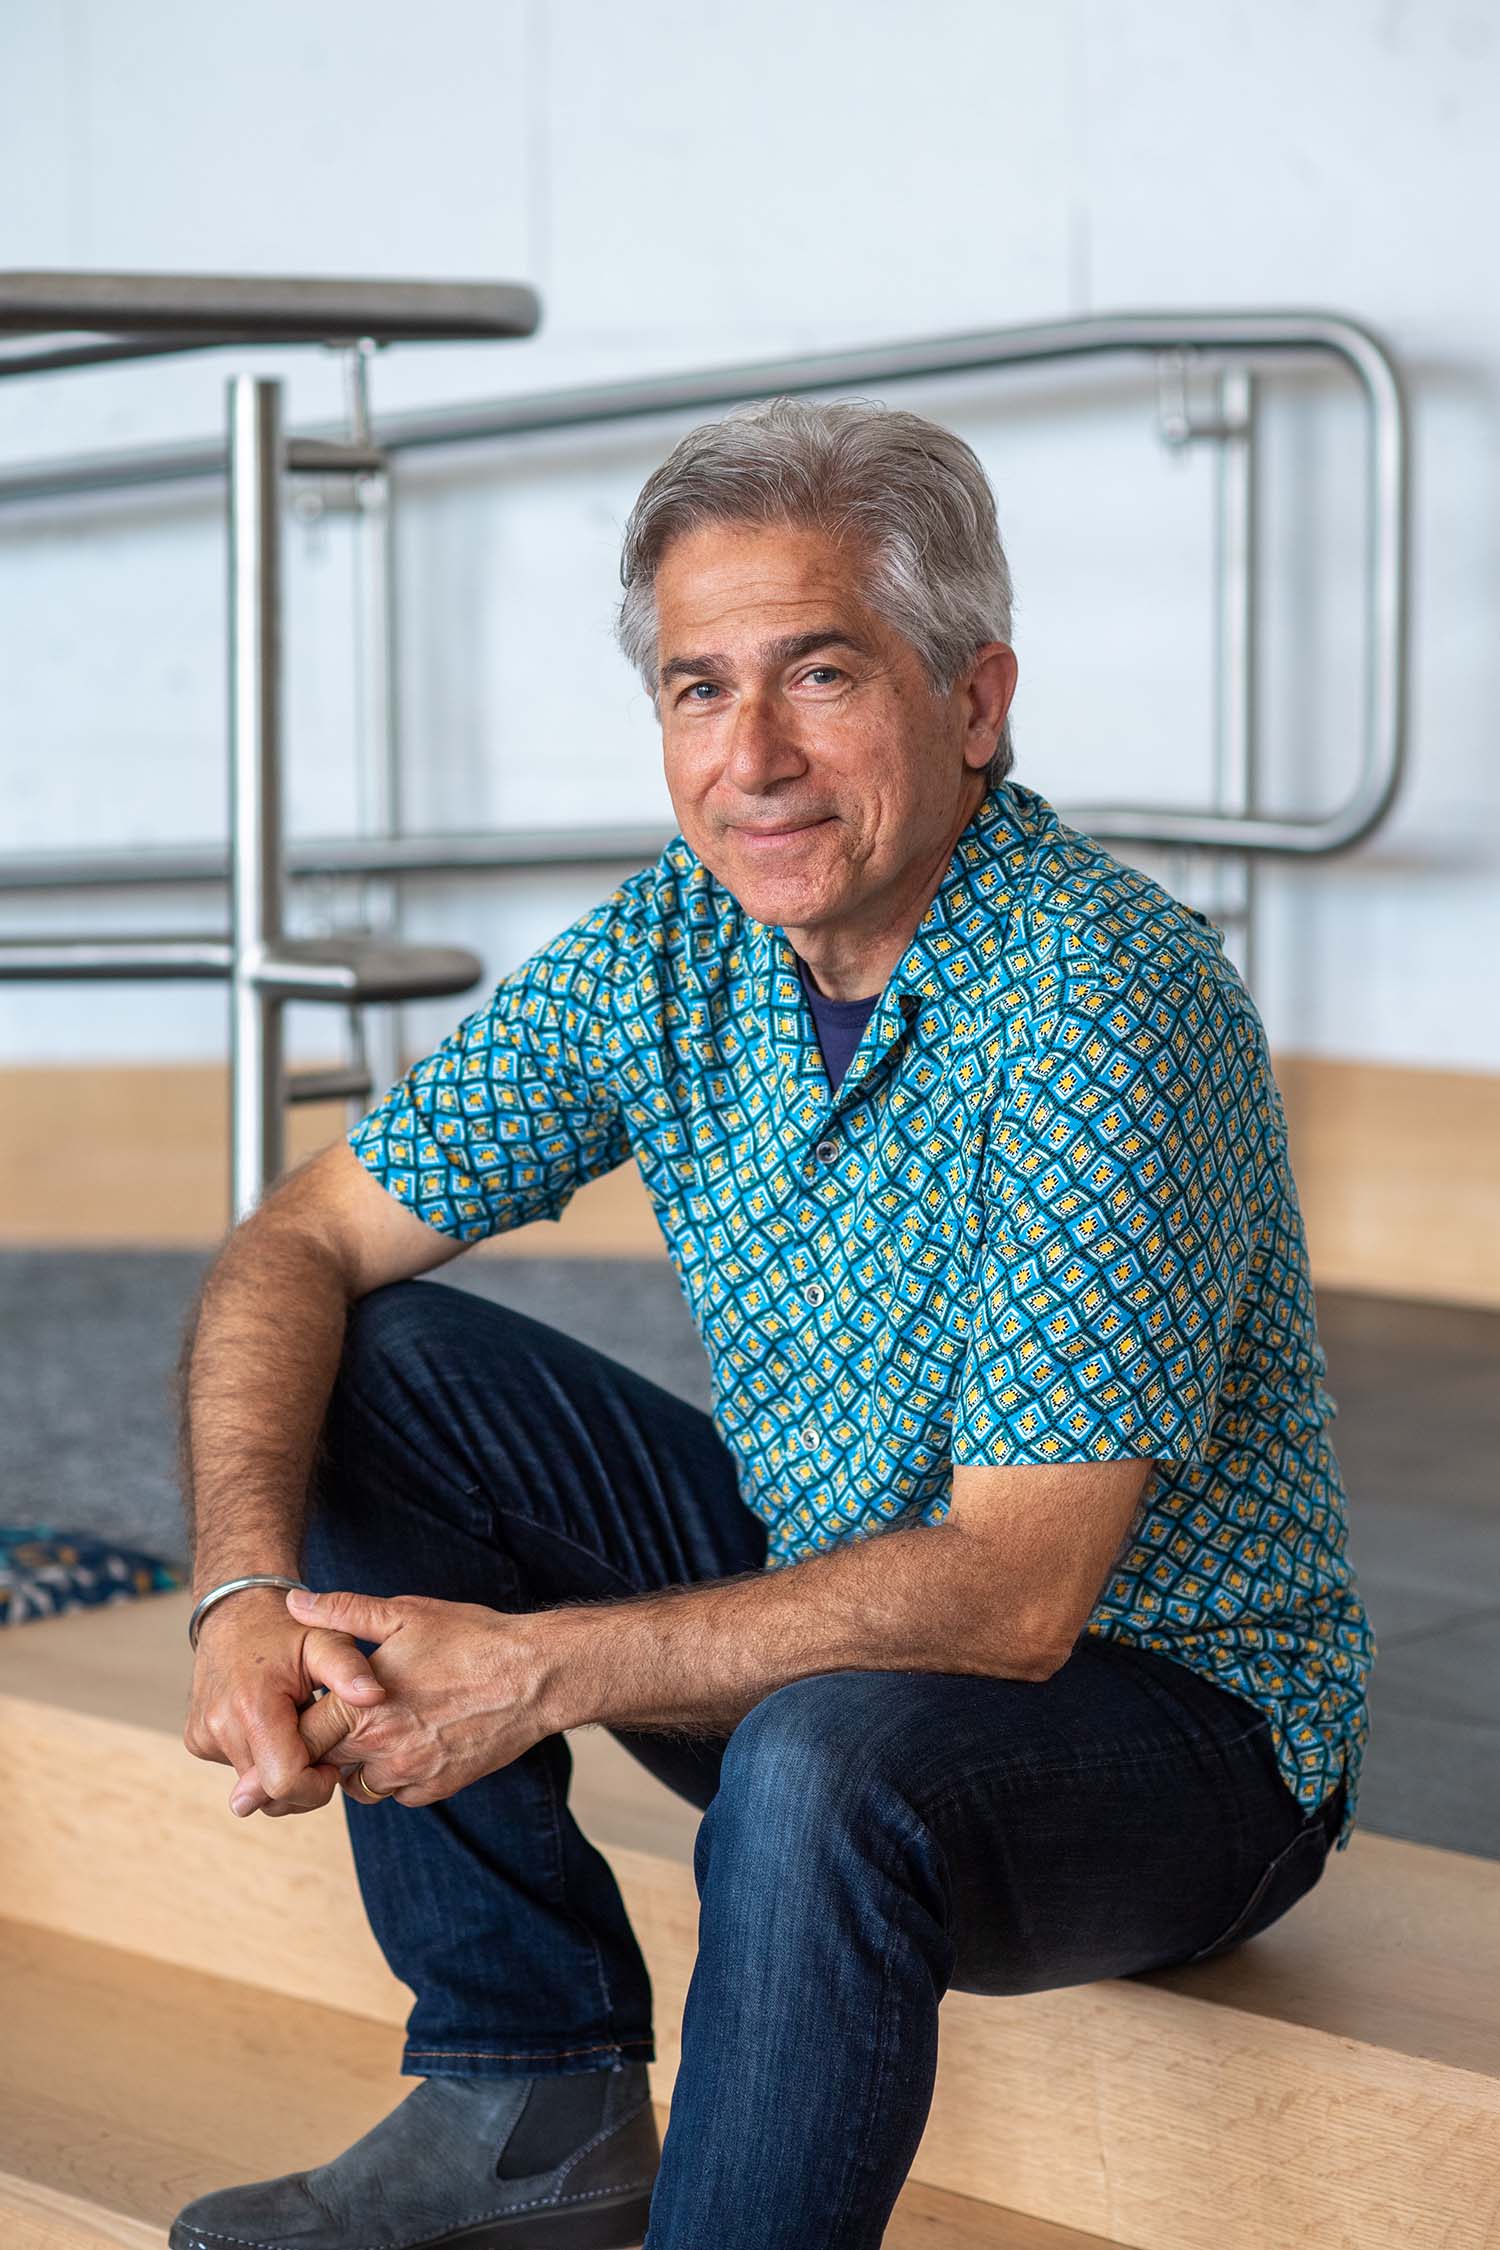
{"x":360,"y":1783}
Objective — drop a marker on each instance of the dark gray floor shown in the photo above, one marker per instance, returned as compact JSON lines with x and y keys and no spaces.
{"x":89,"y":1340}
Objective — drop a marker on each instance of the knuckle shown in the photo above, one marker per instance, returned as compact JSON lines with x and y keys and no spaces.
{"x":349,"y":1726}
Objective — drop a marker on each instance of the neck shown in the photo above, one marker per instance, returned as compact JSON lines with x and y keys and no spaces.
{"x":849,"y":960}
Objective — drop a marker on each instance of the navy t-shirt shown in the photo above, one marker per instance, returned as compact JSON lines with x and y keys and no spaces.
{"x":840,"y":1024}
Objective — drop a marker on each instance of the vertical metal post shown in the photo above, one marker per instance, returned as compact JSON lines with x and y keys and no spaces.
{"x":1235,"y":779}
{"x":356,"y":365}
{"x":256,"y":1072}
{"x":380,"y":1032}
{"x":378,"y":1036}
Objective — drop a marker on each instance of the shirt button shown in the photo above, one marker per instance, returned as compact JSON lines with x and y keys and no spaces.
{"x":811,"y":1437}
{"x":828,"y":1150}
{"x":814,"y":1293}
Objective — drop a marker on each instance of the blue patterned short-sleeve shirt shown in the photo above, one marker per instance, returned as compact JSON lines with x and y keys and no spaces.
{"x":1047,"y":1216}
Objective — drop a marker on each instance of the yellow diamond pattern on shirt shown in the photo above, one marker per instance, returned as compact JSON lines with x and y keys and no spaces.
{"x":1047,"y":1216}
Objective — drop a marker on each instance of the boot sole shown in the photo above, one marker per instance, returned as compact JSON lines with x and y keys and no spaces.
{"x":606,"y":2222}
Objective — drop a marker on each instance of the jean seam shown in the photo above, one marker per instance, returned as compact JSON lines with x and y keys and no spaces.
{"x":580,"y":1923}
{"x":911,"y":1832}
{"x":1260,"y":1886}
{"x":575,"y":1546}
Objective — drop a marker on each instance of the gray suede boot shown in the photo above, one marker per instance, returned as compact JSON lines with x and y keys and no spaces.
{"x":549,"y":2163}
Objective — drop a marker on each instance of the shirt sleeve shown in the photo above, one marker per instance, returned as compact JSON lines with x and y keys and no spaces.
{"x":1122,"y":1214}
{"x":504,"y":1121}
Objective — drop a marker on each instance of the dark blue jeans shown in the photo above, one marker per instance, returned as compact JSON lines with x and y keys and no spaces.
{"x":870,"y":1838}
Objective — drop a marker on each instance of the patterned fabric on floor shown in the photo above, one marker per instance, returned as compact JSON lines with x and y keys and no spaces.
{"x":44,"y":1571}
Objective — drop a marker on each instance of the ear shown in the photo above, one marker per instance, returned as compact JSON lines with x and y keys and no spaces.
{"x":988,"y":688}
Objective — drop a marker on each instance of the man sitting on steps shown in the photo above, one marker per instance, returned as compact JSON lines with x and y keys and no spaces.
{"x":999,"y":1618}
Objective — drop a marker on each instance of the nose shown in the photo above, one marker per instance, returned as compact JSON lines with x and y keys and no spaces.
{"x":761,"y":749}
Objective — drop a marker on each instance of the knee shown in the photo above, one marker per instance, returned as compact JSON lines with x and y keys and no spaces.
{"x":420,"y":1424}
{"x":815,"y":1763}
{"x":385,"y":1337}
{"x":385,"y":1329}
{"x":402,"y":1347}
{"x":381,"y":1344}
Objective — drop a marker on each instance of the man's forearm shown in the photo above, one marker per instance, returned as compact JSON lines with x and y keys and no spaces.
{"x":257,"y":1366}
{"x":696,"y":1659}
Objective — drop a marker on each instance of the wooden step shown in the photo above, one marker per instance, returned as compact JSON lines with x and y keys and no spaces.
{"x":39,"y":2218}
{"x":1335,"y":2081}
{"x":128,"y":2087}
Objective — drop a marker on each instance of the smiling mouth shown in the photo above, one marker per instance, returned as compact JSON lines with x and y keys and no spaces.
{"x":790,"y":829}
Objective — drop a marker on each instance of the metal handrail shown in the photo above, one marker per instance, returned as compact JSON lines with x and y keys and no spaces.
{"x":145,"y":865}
{"x":1221,"y":339}
{"x":150,"y":315}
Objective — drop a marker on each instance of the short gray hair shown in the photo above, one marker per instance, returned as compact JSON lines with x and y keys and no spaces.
{"x":912,"y":494}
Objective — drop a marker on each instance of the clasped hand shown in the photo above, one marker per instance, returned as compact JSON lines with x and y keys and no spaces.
{"x":462,"y":1685}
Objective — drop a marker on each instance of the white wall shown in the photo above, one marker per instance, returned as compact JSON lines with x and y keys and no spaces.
{"x":688,"y":183}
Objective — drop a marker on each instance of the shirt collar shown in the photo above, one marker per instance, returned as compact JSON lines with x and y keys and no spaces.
{"x":943,"y":974}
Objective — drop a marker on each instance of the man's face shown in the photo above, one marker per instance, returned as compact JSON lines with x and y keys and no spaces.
{"x":810,"y":765}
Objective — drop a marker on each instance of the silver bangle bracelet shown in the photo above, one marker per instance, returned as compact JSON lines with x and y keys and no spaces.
{"x":233,"y":1586}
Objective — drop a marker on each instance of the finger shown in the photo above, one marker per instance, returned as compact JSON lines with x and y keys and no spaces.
{"x":349,"y":1781}
{"x":332,"y":1660}
{"x":311,"y":1793}
{"x":237,"y":1750}
{"x":198,"y":1740}
{"x":365,"y":1615}
{"x":305,"y":1795}
{"x":325,"y":1723}
{"x":278,"y":1750}
{"x":224,"y":1722}
{"x":248,"y":1795}
{"x":319,"y":1789}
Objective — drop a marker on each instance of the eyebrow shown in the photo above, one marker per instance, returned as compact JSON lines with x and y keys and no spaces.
{"x":783,"y":651}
